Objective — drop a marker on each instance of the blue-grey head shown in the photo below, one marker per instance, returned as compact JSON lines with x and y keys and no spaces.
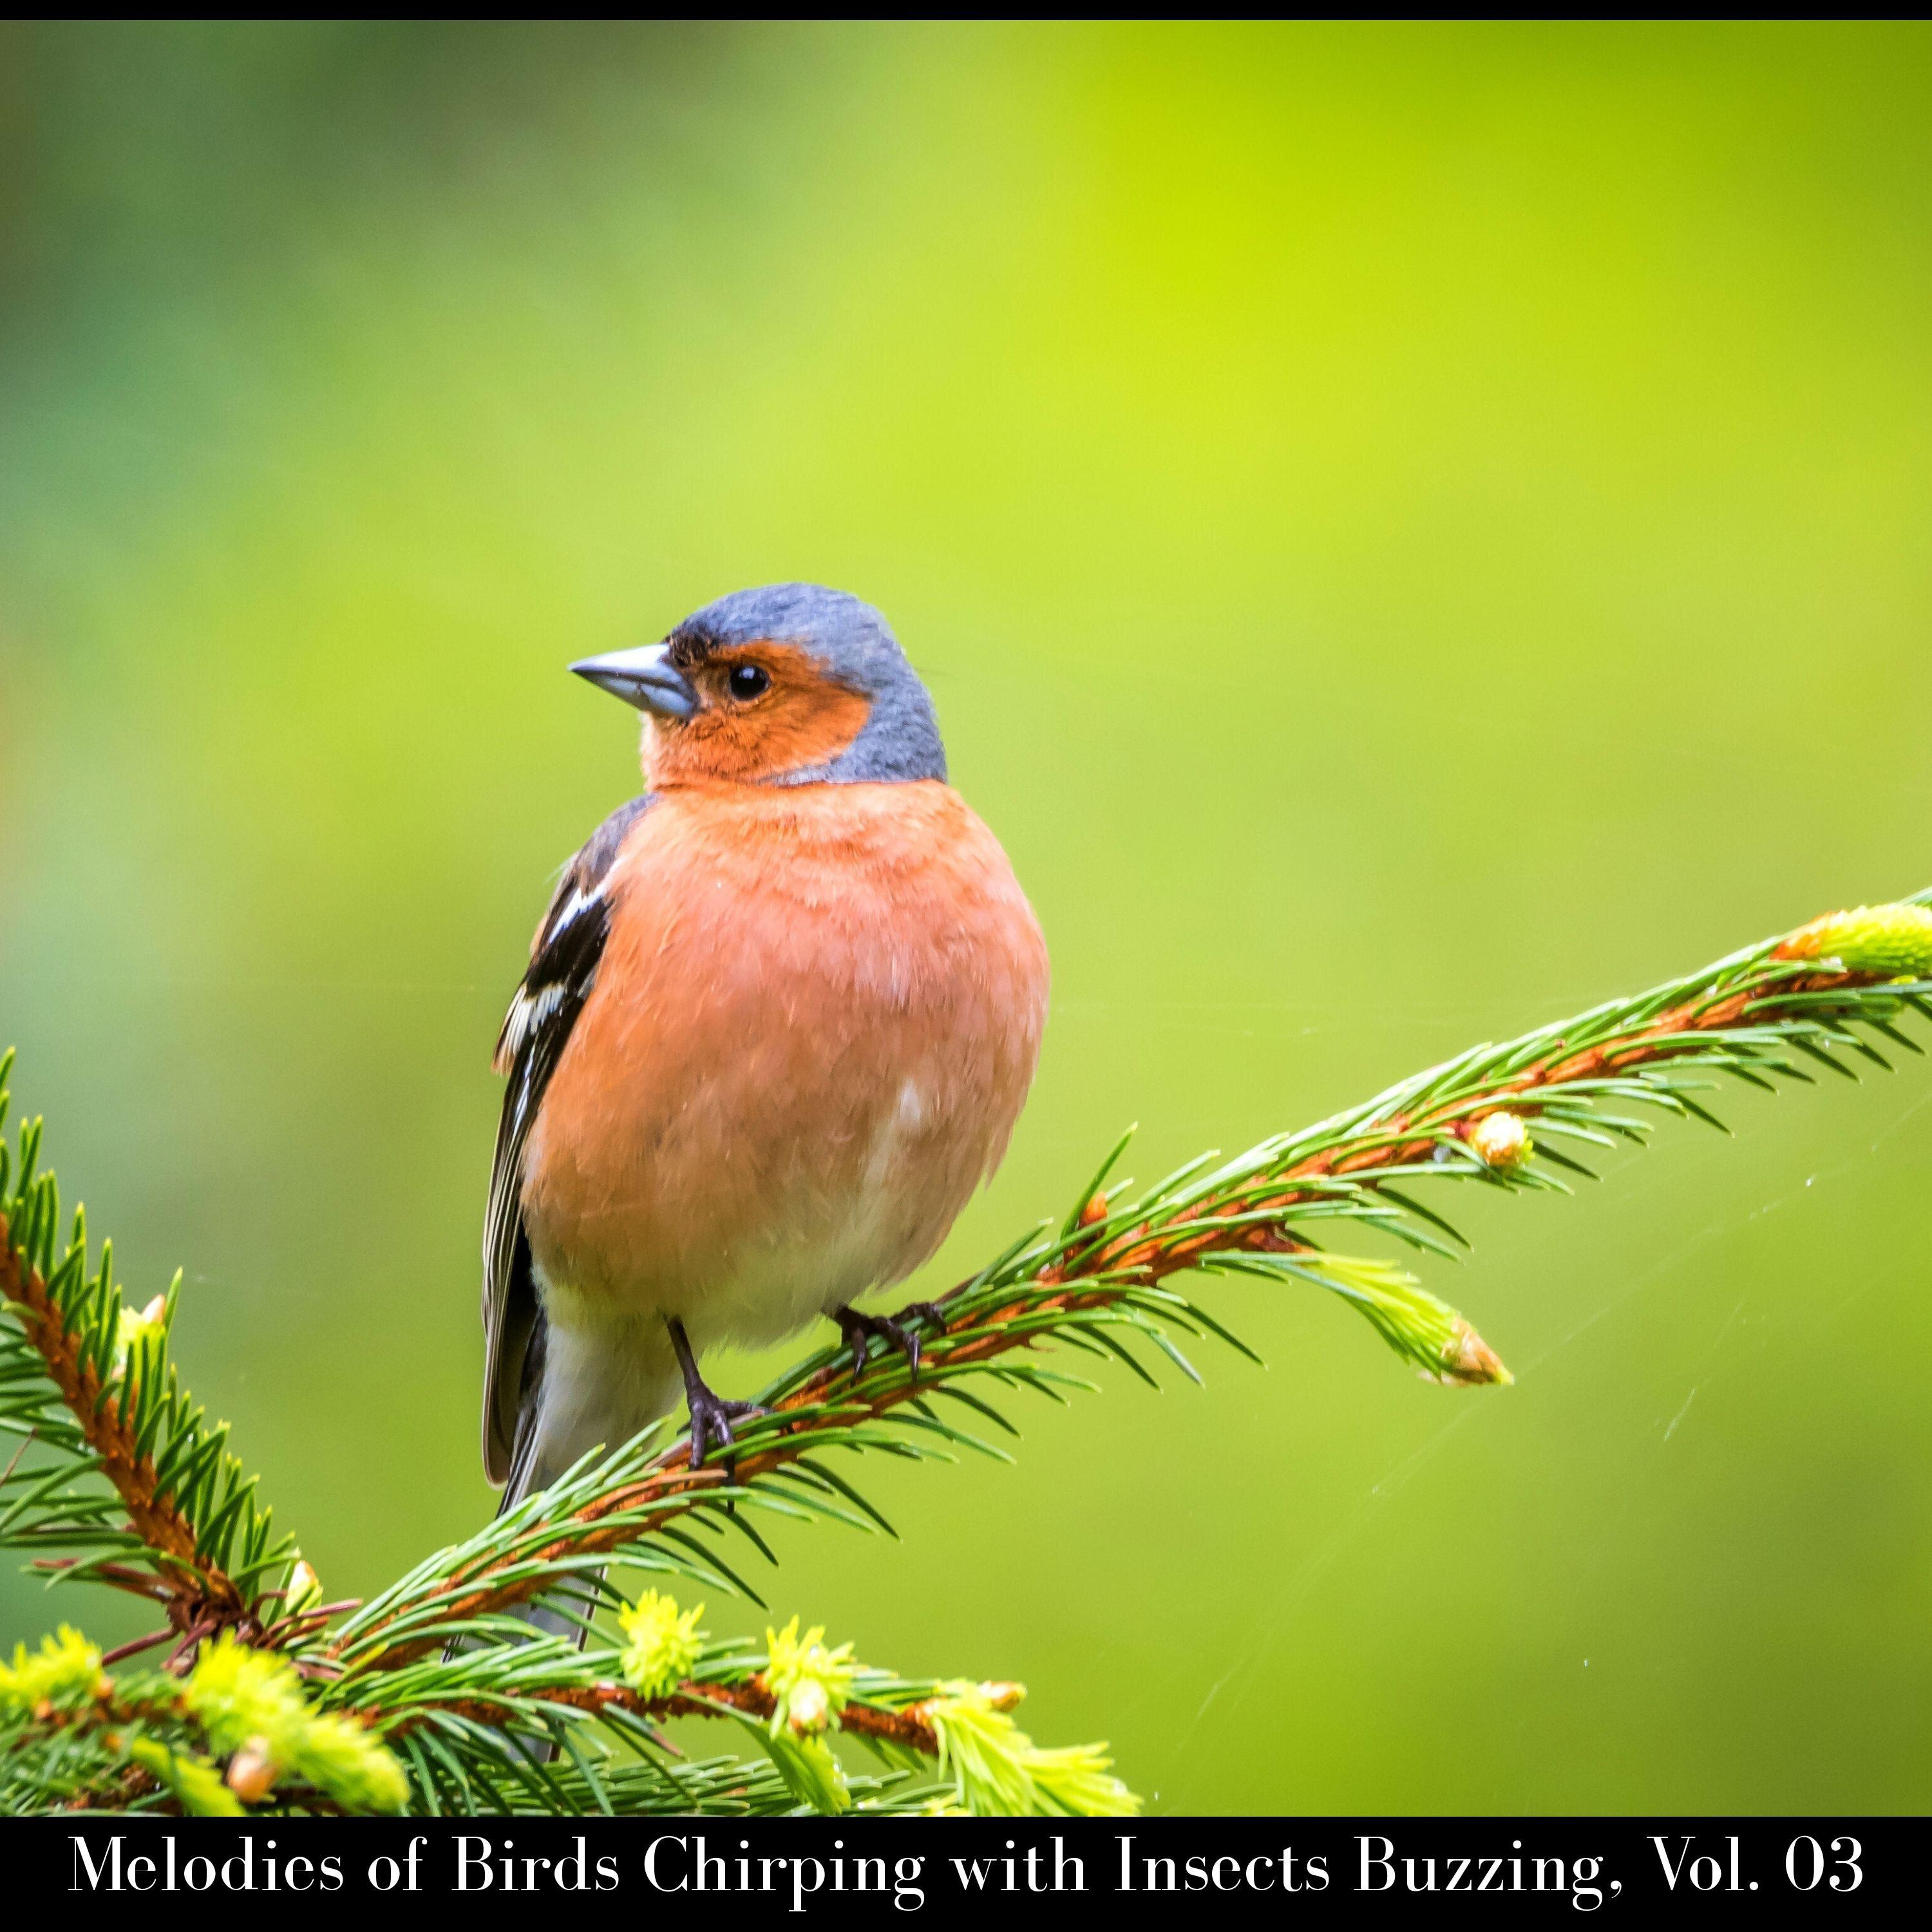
{"x":792,"y":684}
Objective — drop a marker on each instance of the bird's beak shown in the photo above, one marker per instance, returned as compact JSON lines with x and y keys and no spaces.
{"x":644,"y":678}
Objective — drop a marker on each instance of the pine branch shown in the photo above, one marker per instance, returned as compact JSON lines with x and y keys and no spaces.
{"x":112,"y":1459}
{"x":514,"y":1703}
{"x":72,"y":1731}
{"x":437,"y":1693}
{"x":153,"y":1515}
{"x":1098,"y":1281}
{"x":908,"y":1729}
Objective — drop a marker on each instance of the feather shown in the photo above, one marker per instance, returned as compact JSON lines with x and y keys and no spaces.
{"x":562,"y":973}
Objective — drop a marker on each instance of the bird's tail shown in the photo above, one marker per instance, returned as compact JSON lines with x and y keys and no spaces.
{"x":551,"y":1619}
{"x":576,"y":1392}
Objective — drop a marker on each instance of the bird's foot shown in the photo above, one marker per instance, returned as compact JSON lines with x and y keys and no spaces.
{"x":858,"y":1329}
{"x":711,"y":1420}
{"x":932,"y":1313}
{"x":711,"y":1415}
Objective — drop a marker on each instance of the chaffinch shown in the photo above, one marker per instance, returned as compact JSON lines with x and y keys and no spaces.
{"x":778,"y":1022}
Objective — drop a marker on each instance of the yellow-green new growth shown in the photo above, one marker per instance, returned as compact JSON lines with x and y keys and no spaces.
{"x":1895,"y":941}
{"x":998,"y":1771}
{"x":1416,"y":1325}
{"x":133,"y":1326}
{"x":65,"y":1671}
{"x":193,"y":1780}
{"x":810,"y":1685}
{"x":303,"y":1589}
{"x":251,"y":1699}
{"x":664,"y":1643}
{"x":807,"y":1764}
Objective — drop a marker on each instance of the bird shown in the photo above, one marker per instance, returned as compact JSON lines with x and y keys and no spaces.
{"x":779,"y":1020}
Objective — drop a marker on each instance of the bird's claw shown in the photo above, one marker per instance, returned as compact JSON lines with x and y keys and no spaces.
{"x":858,"y":1329}
{"x":712,"y":1417}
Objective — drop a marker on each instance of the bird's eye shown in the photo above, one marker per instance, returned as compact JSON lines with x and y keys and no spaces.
{"x":747,"y":682}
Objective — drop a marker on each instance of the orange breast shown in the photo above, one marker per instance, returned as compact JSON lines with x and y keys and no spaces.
{"x":815,"y":1022}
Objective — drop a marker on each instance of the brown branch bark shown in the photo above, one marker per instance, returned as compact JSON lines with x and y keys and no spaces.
{"x":195,"y":1590}
{"x":907,"y":1727}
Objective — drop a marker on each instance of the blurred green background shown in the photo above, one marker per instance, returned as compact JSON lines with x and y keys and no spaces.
{"x":1410,"y":531}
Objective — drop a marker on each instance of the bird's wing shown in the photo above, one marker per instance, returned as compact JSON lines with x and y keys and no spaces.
{"x":562,"y":971}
